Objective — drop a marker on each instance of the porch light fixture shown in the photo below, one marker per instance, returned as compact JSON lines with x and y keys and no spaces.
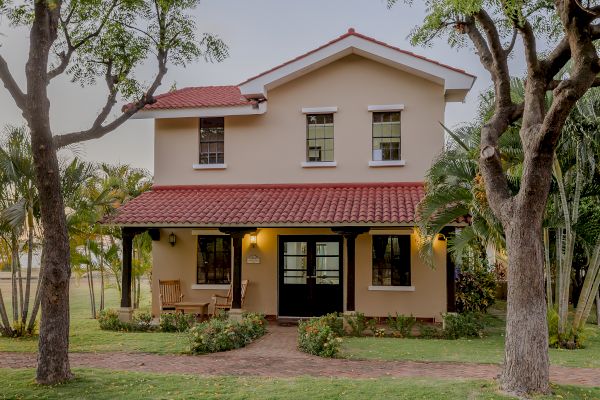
{"x":253,"y":239}
{"x":441,"y":237}
{"x":172,"y":239}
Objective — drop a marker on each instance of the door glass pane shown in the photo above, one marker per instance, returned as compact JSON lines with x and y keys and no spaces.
{"x":327,"y":263}
{"x":295,"y":262}
{"x":294,"y":248}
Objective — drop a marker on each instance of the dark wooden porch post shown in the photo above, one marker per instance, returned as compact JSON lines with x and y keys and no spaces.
{"x":350,"y":234}
{"x":237,"y":234}
{"x":127,"y":234}
{"x":450,"y":276}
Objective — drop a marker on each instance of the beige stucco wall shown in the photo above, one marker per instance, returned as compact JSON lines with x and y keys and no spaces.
{"x":179,"y":262}
{"x":269,"y":148}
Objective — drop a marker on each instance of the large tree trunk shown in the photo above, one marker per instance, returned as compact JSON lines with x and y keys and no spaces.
{"x":526,"y":350}
{"x":53,"y":359}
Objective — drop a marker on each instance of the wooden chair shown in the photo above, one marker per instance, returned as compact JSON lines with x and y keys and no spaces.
{"x":225,"y":301}
{"x":169,"y":294}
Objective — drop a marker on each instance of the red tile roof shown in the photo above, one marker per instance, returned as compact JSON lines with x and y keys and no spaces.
{"x":197,"y":97}
{"x":266,"y":205}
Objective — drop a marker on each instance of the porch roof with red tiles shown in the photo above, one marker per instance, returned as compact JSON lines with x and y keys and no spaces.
{"x":264,"y":205}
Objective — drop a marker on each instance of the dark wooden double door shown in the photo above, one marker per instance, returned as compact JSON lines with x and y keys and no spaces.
{"x":310,"y":275}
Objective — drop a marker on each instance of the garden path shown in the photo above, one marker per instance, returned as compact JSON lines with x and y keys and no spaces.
{"x":275,"y":355}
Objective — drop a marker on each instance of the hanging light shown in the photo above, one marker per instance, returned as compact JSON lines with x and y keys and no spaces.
{"x":172,"y":239}
{"x":253,"y":239}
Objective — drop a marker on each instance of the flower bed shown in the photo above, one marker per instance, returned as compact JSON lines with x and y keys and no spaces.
{"x":142,"y":322}
{"x":320,"y":336}
{"x":222,"y":334}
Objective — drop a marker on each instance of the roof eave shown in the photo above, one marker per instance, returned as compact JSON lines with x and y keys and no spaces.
{"x":202,"y":112}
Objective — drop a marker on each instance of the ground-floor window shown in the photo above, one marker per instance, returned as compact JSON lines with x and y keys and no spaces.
{"x":214,"y":259}
{"x":391,"y":260}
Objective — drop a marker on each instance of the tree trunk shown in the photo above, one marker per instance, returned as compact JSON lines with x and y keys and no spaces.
{"x":20,"y":281}
{"x":29,"y":265}
{"x":36,"y":307}
{"x":13,"y":277}
{"x":598,"y":308}
{"x":526,"y":350}
{"x":547,"y":268}
{"x":101,"y":271}
{"x":6,"y":328}
{"x":90,"y":280}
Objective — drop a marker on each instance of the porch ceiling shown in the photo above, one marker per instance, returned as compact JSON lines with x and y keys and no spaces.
{"x":372,"y":204}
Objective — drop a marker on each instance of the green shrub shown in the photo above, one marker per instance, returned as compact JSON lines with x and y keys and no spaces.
{"x":429,"y":332}
{"x":140,"y":322}
{"x":336,"y":322}
{"x":176,"y":322}
{"x":401,"y":325}
{"x":372,"y":325}
{"x":462,"y":325}
{"x":109,"y":320}
{"x":357,"y":323}
{"x":572,"y":339}
{"x":315,"y":336}
{"x":219,"y":334}
{"x":475,"y":290}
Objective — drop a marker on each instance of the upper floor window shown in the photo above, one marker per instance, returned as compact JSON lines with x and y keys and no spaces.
{"x":319,"y":138}
{"x":212,"y":138}
{"x":391,"y":260}
{"x":386,"y":136}
{"x":214,"y":260}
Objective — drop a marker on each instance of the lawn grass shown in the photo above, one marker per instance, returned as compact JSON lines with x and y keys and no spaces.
{"x":86,"y":336}
{"x":489,"y":349}
{"x":102,"y":384}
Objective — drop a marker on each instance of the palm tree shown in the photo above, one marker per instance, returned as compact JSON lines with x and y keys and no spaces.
{"x":20,"y":210}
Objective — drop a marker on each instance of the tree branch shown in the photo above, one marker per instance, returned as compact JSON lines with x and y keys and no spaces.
{"x":98,"y":129}
{"x":11,"y":85}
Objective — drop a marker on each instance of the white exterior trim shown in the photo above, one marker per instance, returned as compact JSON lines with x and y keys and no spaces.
{"x":209,"y":166}
{"x":456,"y":84}
{"x":392,"y":288}
{"x":386,"y":107}
{"x":203,"y":112}
{"x":378,"y":164}
{"x":319,"y":110}
{"x":210,"y":287}
{"x":318,"y":164}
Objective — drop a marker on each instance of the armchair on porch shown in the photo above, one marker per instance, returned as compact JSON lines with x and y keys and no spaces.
{"x":169,"y":294}
{"x":224,"y":302}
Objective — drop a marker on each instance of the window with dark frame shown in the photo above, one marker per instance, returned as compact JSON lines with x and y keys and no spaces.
{"x":212,"y":140}
{"x":386,"y":136}
{"x":391,"y":260}
{"x":319,"y":137}
{"x":214,"y":260}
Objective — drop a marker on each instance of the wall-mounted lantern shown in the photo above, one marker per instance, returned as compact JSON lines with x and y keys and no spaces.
{"x":172,"y":239}
{"x":253,"y":239}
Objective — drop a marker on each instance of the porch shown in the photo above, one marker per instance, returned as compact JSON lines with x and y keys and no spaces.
{"x":365,"y":261}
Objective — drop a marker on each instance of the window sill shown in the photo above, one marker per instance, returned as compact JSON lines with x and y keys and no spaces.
{"x":319,"y":164}
{"x":209,"y":166}
{"x":392,"y":288}
{"x":210,"y":287}
{"x":396,"y":163}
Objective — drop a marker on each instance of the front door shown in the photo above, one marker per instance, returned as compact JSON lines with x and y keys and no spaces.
{"x":310,"y":275}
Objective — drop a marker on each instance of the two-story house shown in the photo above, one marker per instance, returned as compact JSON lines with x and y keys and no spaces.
{"x":303,"y":180}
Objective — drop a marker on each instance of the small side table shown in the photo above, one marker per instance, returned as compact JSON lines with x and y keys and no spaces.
{"x":190,"y":307}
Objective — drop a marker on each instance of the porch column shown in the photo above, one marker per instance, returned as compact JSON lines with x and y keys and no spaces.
{"x":350,"y":234}
{"x":125,"y":312}
{"x":237,"y":235}
{"x":450,"y":276}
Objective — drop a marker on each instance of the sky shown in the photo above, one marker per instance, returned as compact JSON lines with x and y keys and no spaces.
{"x":260,"y":34}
